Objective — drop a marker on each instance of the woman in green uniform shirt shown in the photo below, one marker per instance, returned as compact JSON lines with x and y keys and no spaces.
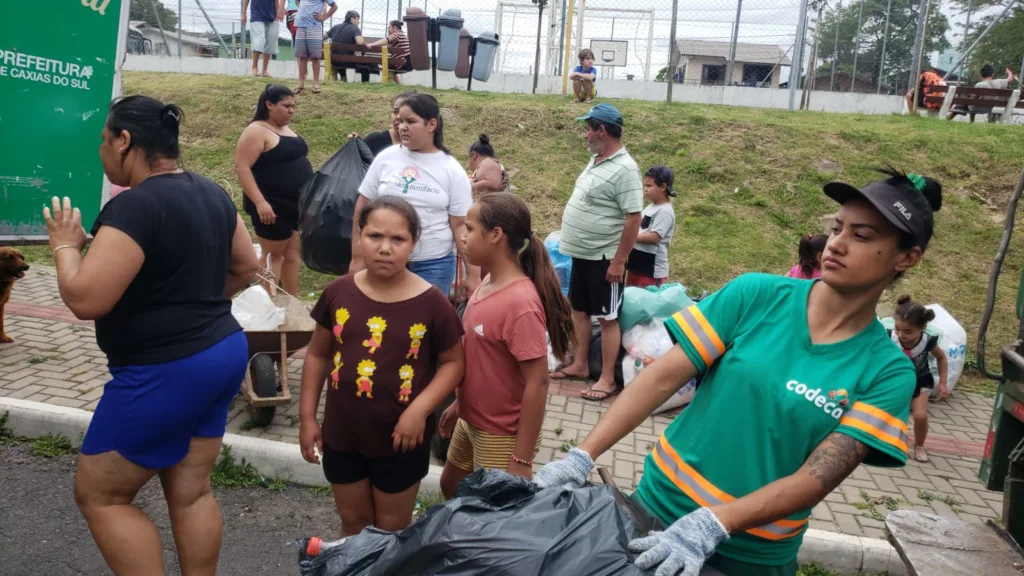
{"x":801,"y":385}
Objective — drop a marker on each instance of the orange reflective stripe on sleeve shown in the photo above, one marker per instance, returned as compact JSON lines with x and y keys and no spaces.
{"x":700,"y":333}
{"x":877,"y":423}
{"x":706,"y":494}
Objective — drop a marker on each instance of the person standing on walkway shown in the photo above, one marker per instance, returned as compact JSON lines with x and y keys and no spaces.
{"x":389,"y":346}
{"x":264,"y":27}
{"x":271,"y":164}
{"x":496,"y":420}
{"x":422,"y":172}
{"x":599,"y":228}
{"x":801,"y":384}
{"x":309,"y":39}
{"x":165,"y":259}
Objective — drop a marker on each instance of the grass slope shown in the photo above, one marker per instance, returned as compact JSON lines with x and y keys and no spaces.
{"x":749,"y":180}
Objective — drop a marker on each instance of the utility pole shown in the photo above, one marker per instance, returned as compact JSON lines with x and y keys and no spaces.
{"x":670,"y":77}
{"x":732,"y":46}
{"x":795,"y":68}
{"x":856,"y":50}
{"x":835,"y":49}
{"x":885,"y":42}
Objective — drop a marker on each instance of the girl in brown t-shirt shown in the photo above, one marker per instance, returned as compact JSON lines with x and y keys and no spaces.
{"x":388,"y":345}
{"x":495,"y":421}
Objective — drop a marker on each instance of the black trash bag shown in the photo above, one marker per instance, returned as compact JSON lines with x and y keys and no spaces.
{"x":595,"y":359}
{"x":326,"y":205}
{"x":499,"y":525}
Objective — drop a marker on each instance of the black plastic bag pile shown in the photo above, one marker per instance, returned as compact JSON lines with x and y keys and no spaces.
{"x":498,"y":525}
{"x":326,"y":205}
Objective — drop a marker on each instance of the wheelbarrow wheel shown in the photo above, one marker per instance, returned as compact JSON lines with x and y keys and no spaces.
{"x":263,"y":373}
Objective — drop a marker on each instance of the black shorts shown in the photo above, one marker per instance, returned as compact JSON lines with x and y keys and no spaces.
{"x":286,"y":223}
{"x":590,"y":291}
{"x":924,"y":381}
{"x":391,"y":475}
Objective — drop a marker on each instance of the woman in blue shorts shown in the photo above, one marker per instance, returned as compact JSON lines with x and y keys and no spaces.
{"x":165,"y":258}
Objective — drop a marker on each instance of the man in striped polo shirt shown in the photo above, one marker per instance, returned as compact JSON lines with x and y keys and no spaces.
{"x":599,"y":227}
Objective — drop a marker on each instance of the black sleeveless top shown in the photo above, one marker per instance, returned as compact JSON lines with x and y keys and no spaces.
{"x":281,"y":172}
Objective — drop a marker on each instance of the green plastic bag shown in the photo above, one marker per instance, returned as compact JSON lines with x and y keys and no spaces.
{"x":640,"y":306}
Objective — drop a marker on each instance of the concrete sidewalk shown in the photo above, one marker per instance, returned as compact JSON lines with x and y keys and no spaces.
{"x":55,"y":360}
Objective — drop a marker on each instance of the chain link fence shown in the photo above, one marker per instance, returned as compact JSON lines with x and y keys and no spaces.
{"x":864,"y":46}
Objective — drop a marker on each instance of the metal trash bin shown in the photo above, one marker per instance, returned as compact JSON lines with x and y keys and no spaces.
{"x":486,"y":49}
{"x":462,"y":67}
{"x":449,"y":24}
{"x":419,"y":38}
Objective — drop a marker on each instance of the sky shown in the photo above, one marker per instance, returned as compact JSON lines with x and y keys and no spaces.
{"x":762,"y":22}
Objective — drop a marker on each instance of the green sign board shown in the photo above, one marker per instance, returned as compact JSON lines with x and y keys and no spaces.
{"x":56,"y":83}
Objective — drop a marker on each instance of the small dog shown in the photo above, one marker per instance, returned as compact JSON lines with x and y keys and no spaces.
{"x":12,"y":267}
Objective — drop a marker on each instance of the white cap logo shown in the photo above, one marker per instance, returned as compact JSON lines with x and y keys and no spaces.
{"x":906,"y":213}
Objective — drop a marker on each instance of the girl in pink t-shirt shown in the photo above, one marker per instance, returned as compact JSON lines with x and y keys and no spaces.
{"x":810,"y":250}
{"x":496,"y":418}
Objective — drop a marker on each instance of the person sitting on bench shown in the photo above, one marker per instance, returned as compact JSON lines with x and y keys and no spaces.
{"x":398,"y":49}
{"x":987,"y":81}
{"x":347,"y":32}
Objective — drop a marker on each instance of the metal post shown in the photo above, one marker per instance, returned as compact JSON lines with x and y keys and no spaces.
{"x":967,"y":30}
{"x":568,"y":49}
{"x":212,"y":27}
{"x":798,"y":54}
{"x":650,"y":47}
{"x":856,"y":50}
{"x":472,"y":62}
{"x":1020,"y":79}
{"x":579,"y":26}
{"x":835,"y":49}
{"x":152,"y":6}
{"x":885,"y":43}
{"x":672,"y":51}
{"x":983,"y":35}
{"x":399,"y":17}
{"x":915,"y":63}
{"x":179,"y":29}
{"x":609,"y":71}
{"x":536,"y":58}
{"x":732,"y":45}
{"x":234,"y":42}
{"x":387,"y":16}
{"x":813,"y":68}
{"x":561,"y":39}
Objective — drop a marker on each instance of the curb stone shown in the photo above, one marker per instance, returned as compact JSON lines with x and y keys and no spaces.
{"x":844,"y":554}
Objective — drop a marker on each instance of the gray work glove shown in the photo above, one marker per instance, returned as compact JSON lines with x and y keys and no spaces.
{"x":684,"y":547}
{"x":572,"y":471}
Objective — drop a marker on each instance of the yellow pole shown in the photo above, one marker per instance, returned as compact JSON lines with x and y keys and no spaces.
{"x":384,"y":64}
{"x":568,"y":46}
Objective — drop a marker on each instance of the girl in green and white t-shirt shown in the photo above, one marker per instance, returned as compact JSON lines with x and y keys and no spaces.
{"x":801,"y":384}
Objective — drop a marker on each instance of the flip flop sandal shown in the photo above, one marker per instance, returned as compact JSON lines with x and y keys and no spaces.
{"x":298,"y":91}
{"x":561,"y":374}
{"x":921,"y":455}
{"x":316,"y":90}
{"x":605,"y":395}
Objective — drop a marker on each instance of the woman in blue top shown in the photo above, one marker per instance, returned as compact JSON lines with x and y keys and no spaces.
{"x":801,"y":384}
{"x":165,"y":259}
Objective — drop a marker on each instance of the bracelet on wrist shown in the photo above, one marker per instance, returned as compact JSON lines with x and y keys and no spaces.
{"x":521,"y":461}
{"x":61,"y":247}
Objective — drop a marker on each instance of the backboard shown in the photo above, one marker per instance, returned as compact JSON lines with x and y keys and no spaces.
{"x":609,"y":53}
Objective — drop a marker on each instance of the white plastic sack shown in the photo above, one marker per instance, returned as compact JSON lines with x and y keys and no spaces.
{"x":255,"y":311}
{"x":952,"y":341}
{"x":644,"y":344}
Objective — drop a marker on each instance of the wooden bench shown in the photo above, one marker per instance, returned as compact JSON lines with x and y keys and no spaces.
{"x":949,"y":96}
{"x":362,"y":59}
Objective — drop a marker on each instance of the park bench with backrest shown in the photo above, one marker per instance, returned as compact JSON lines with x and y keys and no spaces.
{"x":363,"y":59}
{"x":1008,"y":101}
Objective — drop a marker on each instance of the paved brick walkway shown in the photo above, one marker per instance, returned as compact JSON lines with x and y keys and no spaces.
{"x":55,"y":360}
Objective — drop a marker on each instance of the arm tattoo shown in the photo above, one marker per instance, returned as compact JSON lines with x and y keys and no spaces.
{"x":835,"y":458}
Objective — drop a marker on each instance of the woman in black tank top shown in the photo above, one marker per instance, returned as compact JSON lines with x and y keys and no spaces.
{"x":272,"y":167}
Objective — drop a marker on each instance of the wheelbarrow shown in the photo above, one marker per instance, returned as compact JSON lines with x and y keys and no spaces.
{"x":266,"y":381}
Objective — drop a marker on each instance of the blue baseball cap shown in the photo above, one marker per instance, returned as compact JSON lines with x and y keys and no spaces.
{"x":604,"y":113}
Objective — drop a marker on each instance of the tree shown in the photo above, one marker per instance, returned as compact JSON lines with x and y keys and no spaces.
{"x":541,"y":4}
{"x":899,"y":47}
{"x":1002,"y":48}
{"x":143,"y":10}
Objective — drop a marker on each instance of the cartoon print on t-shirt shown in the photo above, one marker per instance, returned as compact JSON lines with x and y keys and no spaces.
{"x":416,"y":333}
{"x":409,"y":175}
{"x":364,"y":385}
{"x":335,"y":376}
{"x":377,"y":325}
{"x":341,"y":316}
{"x":406,"y":373}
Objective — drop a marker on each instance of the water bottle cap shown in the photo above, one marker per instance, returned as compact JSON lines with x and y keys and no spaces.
{"x":313,"y":546}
